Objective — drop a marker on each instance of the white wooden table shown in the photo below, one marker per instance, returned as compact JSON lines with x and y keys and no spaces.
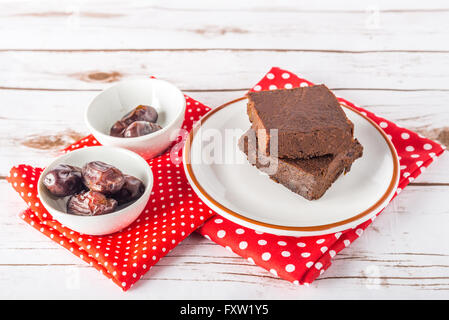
{"x":391,"y":57}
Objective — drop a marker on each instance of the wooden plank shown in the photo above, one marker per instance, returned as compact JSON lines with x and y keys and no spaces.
{"x":225,"y":24}
{"x":164,"y":282}
{"x":39,"y":123}
{"x":224,"y":69}
{"x":390,"y":57}
{"x":415,"y":213}
{"x":395,"y":256}
{"x":430,"y":114}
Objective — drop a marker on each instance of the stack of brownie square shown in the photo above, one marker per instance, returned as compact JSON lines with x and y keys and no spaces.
{"x":300,"y":137}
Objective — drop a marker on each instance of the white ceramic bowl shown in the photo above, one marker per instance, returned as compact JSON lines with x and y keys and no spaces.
{"x":128,"y":162}
{"x":113,"y":103}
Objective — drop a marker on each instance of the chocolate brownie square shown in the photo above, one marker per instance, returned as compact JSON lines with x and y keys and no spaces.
{"x":309,"y":178}
{"x":309,"y":121}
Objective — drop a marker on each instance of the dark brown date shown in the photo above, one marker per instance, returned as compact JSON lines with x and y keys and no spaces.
{"x":140,"y":128}
{"x":117,"y":129}
{"x":63,"y":180}
{"x":140,"y":113}
{"x":131,"y":190}
{"x":90,"y":203}
{"x":102,"y":177}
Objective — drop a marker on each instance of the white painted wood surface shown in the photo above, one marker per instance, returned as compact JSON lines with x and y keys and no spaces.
{"x":391,"y":57}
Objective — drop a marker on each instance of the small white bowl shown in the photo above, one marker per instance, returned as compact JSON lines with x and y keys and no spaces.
{"x":126,"y":161}
{"x":116,"y":101}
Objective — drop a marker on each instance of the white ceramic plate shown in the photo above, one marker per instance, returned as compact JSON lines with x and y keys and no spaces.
{"x":222,"y":177}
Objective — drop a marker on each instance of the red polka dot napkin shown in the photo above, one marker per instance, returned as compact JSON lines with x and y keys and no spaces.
{"x":302,"y":260}
{"x":174,"y":211}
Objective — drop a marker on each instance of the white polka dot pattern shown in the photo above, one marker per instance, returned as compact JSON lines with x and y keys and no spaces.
{"x":301,"y":260}
{"x":124,"y":257}
{"x":165,"y":221}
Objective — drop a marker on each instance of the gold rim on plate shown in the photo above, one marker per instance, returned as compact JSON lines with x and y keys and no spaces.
{"x":388,"y":192}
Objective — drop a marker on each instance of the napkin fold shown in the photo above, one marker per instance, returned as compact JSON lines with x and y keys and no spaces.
{"x":174,"y":211}
{"x":302,"y":259}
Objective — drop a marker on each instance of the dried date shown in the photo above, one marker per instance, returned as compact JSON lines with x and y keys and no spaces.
{"x":140,"y":128}
{"x":91,"y":203}
{"x":102,"y":177}
{"x":117,"y":129}
{"x":140,"y":113}
{"x":131,"y":190}
{"x":63,"y":180}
